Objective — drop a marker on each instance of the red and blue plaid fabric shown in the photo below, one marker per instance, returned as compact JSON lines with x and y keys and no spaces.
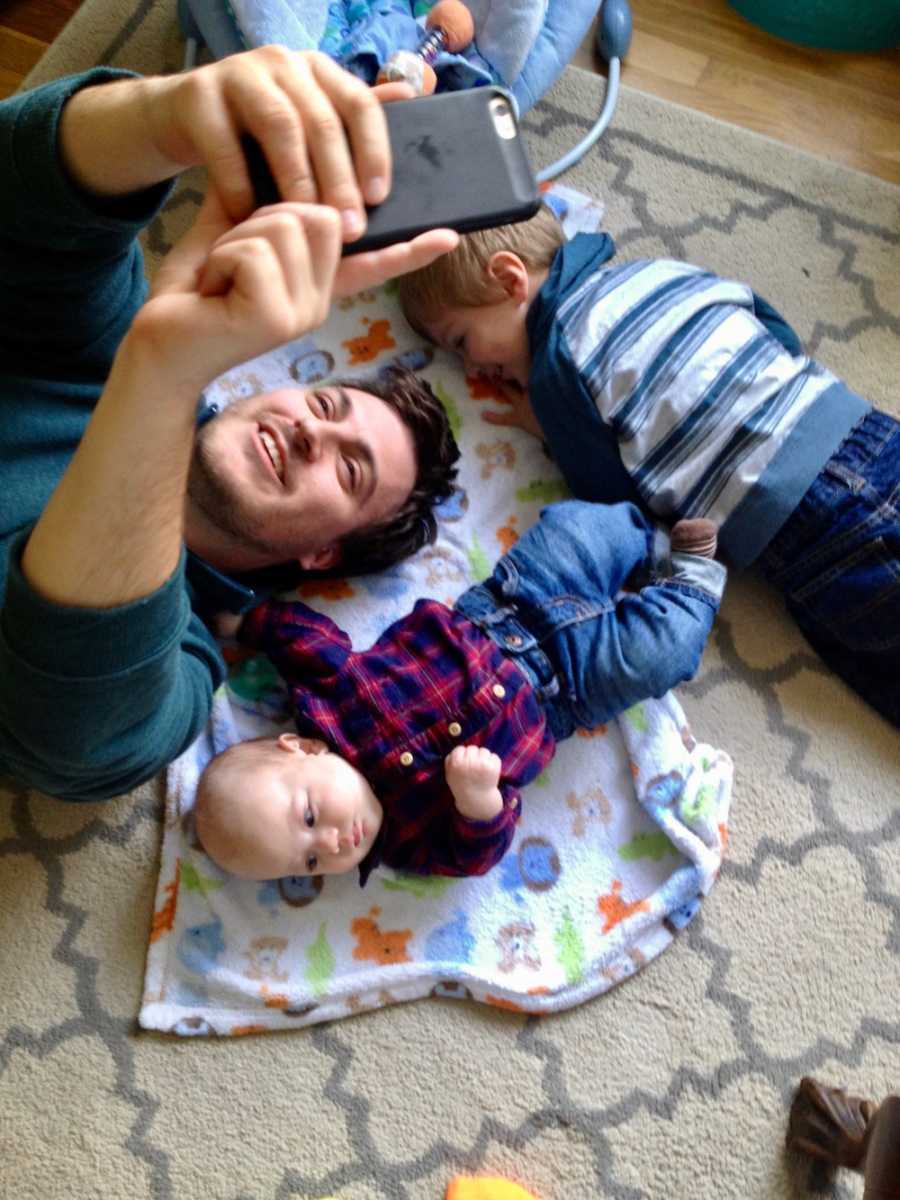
{"x":432,"y":681}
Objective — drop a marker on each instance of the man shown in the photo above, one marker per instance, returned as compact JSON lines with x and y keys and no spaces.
{"x":106,"y":671}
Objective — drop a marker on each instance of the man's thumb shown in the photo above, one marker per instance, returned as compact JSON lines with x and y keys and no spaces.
{"x":178,"y":270}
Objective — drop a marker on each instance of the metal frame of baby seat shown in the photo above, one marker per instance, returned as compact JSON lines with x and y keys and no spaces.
{"x":210,"y":23}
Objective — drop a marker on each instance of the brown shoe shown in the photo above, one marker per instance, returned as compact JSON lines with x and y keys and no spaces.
{"x":695,"y":535}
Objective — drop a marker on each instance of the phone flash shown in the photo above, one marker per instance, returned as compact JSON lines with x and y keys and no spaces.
{"x":504,"y":121}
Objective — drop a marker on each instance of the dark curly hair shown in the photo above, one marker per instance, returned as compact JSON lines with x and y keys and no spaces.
{"x":380,"y":545}
{"x":414,"y":526}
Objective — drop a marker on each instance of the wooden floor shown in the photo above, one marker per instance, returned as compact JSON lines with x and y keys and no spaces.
{"x":699,"y":53}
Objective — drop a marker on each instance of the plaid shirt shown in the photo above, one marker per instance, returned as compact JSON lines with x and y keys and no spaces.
{"x":432,"y":681}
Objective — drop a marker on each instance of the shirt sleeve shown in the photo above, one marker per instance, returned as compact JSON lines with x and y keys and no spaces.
{"x":71,"y":271}
{"x":299,"y":640}
{"x":95,"y":701}
{"x":474,"y":847}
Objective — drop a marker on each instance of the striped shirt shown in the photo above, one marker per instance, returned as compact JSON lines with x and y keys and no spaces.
{"x":432,"y":681}
{"x":697,"y":396}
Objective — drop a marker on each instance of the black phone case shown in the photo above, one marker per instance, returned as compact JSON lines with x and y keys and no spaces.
{"x":452,"y":169}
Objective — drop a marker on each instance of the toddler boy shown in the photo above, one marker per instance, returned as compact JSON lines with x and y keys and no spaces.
{"x":413,"y":753}
{"x":658,"y":382}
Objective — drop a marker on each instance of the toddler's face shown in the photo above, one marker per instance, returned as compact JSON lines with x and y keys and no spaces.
{"x":294,"y":812}
{"x":491,"y":338}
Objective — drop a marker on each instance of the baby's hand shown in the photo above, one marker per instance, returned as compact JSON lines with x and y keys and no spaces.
{"x":519,"y":414}
{"x":225,"y":624}
{"x":473,"y":773}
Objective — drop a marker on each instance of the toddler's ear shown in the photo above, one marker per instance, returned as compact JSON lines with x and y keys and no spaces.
{"x":508,"y":270}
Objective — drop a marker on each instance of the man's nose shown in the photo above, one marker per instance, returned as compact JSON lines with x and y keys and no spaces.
{"x":307,"y":439}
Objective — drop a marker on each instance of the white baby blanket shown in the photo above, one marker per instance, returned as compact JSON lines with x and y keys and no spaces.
{"x":619,"y":839}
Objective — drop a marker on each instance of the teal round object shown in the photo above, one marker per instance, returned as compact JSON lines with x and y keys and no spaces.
{"x":827,"y":24}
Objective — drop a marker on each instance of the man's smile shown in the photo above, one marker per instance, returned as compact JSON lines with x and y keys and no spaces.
{"x":274,"y":452}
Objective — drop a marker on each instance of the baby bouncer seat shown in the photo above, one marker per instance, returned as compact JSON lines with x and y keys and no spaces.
{"x":522,"y":45}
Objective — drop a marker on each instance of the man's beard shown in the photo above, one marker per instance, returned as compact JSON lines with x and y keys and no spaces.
{"x":219,"y":504}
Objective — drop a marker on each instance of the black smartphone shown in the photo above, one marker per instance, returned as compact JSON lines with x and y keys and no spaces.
{"x":459,"y":163}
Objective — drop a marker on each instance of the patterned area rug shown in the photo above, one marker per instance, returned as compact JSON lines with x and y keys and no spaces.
{"x":676,"y":1083}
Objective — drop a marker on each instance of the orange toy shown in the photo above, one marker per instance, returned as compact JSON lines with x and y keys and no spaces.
{"x":485,"y":1188}
{"x":450,"y":27}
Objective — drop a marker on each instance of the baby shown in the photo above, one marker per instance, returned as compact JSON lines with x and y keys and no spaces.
{"x":414,"y":753}
{"x":658,"y":382}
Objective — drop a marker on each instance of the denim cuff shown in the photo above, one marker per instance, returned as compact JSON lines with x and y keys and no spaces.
{"x":704,"y":573}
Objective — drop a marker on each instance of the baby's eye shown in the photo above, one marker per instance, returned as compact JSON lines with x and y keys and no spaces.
{"x":309,"y":817}
{"x":311,"y":863}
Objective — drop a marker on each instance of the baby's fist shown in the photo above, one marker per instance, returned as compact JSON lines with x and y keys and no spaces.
{"x":473,"y":773}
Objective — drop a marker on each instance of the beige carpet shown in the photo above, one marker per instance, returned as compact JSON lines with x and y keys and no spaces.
{"x":675,"y":1084}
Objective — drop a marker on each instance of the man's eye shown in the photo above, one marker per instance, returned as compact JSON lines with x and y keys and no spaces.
{"x":311,"y":863}
{"x":323,"y":400}
{"x":309,"y":817}
{"x":352,"y":469}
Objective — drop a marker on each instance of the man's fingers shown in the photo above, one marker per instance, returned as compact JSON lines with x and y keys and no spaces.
{"x":328,"y":175}
{"x":366,"y":131}
{"x":322,"y":237}
{"x":268,"y":109}
{"x":387,"y":93}
{"x":303,"y":241}
{"x":206,"y":113}
{"x":178,"y":270}
{"x":360,"y":271}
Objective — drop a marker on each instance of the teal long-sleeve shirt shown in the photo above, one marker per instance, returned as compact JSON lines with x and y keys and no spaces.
{"x":92,"y":702}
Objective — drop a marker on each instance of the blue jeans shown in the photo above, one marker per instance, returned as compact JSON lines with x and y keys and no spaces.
{"x":553,"y":604}
{"x":837,"y":561}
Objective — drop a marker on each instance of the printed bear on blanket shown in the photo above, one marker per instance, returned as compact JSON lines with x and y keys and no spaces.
{"x":369,"y":345}
{"x":383,"y":946}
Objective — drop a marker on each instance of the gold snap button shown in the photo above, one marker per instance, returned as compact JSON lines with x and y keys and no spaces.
{"x":514,"y":640}
{"x":406,"y":758}
{"x":454,"y":729}
{"x":499,"y":690}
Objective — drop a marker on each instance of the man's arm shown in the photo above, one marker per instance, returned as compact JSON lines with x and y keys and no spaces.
{"x":108,"y":545}
{"x":227,"y":292}
{"x":322,"y":131}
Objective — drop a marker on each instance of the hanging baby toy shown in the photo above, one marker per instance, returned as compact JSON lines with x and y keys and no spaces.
{"x":450,"y":27}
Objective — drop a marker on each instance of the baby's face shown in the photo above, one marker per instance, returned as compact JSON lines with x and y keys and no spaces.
{"x":298,"y":813}
{"x":491,"y":338}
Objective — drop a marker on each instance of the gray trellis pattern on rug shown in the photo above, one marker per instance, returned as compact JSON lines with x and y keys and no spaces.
{"x":674,"y":1084}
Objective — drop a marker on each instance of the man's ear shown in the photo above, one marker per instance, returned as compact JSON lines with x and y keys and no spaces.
{"x":293,"y":742}
{"x":510,"y":272}
{"x":321,"y":560}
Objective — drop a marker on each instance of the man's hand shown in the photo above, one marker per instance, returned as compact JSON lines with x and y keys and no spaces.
{"x":226,"y":293}
{"x":321,"y":129}
{"x":519,"y":413}
{"x":473,"y":773}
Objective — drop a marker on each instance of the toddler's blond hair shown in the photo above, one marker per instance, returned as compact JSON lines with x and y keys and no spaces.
{"x":460,"y":279}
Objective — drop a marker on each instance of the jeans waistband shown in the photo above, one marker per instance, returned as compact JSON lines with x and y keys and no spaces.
{"x":865,"y":441}
{"x":503,"y":624}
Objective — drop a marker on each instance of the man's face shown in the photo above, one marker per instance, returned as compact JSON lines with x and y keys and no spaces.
{"x":284,"y":475}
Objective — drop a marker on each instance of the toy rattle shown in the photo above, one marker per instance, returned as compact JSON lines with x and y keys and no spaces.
{"x":450,"y":27}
